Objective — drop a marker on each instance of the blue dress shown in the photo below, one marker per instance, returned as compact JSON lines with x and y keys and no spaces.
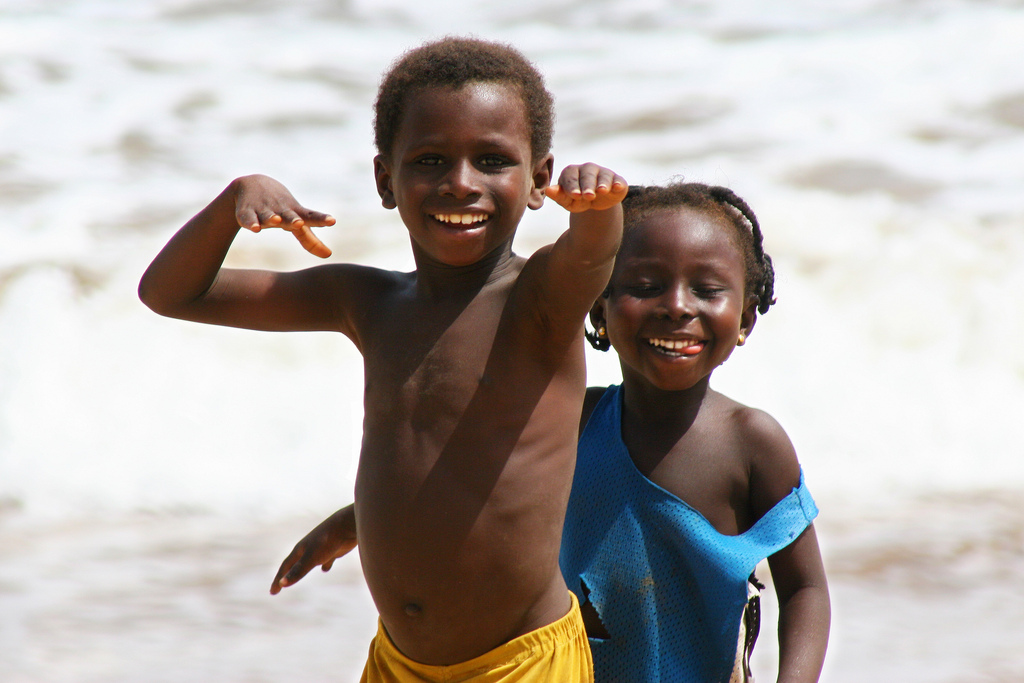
{"x":669,"y":588}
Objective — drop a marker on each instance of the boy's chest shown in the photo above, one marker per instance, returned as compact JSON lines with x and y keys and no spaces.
{"x":424,"y":365}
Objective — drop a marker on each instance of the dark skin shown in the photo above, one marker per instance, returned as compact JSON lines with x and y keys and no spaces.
{"x":676,"y":310}
{"x":679,"y":280}
{"x":474,"y":370}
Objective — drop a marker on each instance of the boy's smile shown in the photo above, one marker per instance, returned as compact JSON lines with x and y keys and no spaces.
{"x":461,"y":172}
{"x":676,"y":305}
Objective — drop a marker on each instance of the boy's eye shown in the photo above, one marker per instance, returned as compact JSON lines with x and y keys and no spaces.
{"x":429,"y":160}
{"x":494,"y":160}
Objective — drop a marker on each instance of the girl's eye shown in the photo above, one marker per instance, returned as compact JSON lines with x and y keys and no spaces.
{"x":643,"y":290}
{"x":707,"y":292}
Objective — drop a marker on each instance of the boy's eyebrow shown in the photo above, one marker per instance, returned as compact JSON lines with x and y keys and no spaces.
{"x":481,"y":146}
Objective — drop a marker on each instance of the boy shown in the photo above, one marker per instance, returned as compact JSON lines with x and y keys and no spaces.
{"x":474,"y":370}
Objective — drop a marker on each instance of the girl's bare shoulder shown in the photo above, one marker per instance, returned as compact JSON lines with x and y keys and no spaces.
{"x":766,"y":449}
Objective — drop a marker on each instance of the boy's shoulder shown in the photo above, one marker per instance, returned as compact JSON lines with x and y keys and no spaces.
{"x":366,"y":279}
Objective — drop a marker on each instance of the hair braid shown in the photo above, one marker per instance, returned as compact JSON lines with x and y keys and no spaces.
{"x":766,"y":290}
{"x":642,"y":200}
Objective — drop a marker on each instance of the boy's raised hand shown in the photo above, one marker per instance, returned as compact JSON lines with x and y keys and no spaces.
{"x":331,"y":539}
{"x":588,"y":186}
{"x":262,"y":202}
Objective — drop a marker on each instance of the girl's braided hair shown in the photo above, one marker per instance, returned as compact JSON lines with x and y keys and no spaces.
{"x":642,"y":200}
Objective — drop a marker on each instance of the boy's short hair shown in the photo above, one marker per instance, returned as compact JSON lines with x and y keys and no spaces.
{"x":454,"y":62}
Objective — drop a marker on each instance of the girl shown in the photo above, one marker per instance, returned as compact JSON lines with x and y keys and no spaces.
{"x":679,"y":491}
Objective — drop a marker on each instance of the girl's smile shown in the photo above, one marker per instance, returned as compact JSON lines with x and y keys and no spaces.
{"x":678,"y":347}
{"x":676,"y":305}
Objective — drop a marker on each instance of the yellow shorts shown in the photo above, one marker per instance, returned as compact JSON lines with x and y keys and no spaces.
{"x":558,"y":652}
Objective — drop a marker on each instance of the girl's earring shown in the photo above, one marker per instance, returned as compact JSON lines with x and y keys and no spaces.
{"x":599,"y":338}
{"x":742,"y":340}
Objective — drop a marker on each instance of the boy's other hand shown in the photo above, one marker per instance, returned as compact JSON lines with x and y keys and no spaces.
{"x":331,"y":539}
{"x":588,"y":186}
{"x":262,"y":202}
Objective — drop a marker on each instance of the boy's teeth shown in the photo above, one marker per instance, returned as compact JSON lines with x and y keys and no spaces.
{"x":461,"y":218}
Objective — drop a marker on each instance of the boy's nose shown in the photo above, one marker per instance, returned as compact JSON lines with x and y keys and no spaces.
{"x":460,"y":181}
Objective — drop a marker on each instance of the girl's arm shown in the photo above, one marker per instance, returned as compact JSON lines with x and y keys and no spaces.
{"x":797,"y":570}
{"x":804,"y":608}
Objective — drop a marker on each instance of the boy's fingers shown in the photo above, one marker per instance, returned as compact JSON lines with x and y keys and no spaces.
{"x":309,"y":241}
{"x":290,"y":219}
{"x":605,"y":180}
{"x":268,"y":219}
{"x":318,"y":219}
{"x":588,"y":180}
{"x":558,"y":196}
{"x":327,"y":565}
{"x":569,"y":182}
{"x":247,"y":219}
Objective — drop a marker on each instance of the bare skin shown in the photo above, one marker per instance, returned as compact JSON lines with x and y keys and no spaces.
{"x":680,"y":277}
{"x":474,"y":371}
{"x":676,"y":280}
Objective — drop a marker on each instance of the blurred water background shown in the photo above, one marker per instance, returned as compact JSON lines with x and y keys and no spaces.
{"x":154,"y":473}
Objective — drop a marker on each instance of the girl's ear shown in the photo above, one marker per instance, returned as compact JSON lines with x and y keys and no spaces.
{"x":749,"y":318}
{"x":542,"y":174}
{"x":382,"y":176}
{"x":599,"y":337}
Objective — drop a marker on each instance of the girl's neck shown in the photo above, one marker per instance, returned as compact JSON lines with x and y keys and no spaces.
{"x":656,"y":419}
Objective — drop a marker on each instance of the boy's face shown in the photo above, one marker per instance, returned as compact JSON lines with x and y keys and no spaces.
{"x":676,"y":304}
{"x":461,"y":171}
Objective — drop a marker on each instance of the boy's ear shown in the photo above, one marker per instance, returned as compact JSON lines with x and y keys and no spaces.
{"x":542,"y":173}
{"x":383,"y":178}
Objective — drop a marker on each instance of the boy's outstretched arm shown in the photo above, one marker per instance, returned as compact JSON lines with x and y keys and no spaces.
{"x":580,"y":262}
{"x":331,"y":539}
{"x":804,"y":608}
{"x":186,"y":280}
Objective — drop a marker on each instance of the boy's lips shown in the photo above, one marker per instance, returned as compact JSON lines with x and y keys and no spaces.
{"x":468,"y":218}
{"x":684,"y":347}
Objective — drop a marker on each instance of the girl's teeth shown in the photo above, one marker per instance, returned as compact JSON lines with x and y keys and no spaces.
{"x":678,"y":345}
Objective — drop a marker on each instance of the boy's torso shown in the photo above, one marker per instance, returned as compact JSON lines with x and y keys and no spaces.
{"x":468,"y":449}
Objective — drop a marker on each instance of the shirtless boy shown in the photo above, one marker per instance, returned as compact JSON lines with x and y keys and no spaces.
{"x":473,"y":363}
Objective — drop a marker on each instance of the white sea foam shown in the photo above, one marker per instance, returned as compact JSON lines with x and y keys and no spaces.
{"x":879,"y":143}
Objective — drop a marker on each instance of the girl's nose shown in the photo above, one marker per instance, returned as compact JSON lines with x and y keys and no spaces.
{"x":460,"y":181}
{"x":677,"y":302}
